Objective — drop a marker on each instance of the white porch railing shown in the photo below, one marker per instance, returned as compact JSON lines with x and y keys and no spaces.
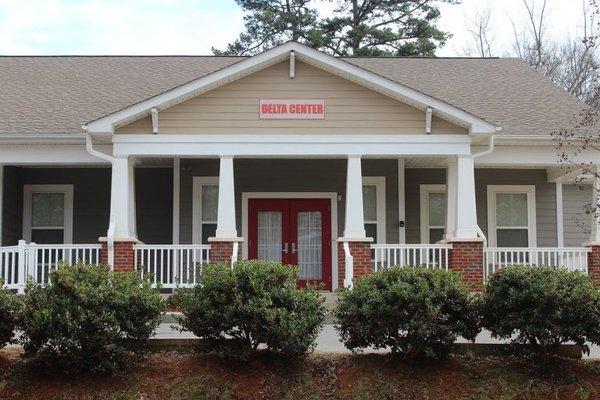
{"x":172,"y":266}
{"x":573,"y":258}
{"x":420,"y":255}
{"x":17,"y":263}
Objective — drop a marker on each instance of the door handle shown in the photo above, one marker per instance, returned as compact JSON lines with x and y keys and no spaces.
{"x":294,"y":249}
{"x":285,"y":248}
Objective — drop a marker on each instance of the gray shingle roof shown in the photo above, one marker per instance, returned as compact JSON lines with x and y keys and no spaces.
{"x":58,"y":94}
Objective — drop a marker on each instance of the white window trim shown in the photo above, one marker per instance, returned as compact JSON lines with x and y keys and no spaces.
{"x":529,"y":190}
{"x":198,"y":182}
{"x":67,"y":190}
{"x":379,"y":183}
{"x":425,"y":190}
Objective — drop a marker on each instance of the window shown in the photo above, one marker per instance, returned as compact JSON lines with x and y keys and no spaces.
{"x":205,"y":205}
{"x":511,"y":215}
{"x":433,"y":213}
{"x":48,"y":214}
{"x":374,"y":208}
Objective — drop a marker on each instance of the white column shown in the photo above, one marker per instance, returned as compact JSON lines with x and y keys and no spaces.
{"x":355,"y":221}
{"x":176,"y":190}
{"x":466,"y":212}
{"x":401,"y":203}
{"x":226,"y":228}
{"x":451,"y":194}
{"x":595,"y":227}
{"x":122,"y":204}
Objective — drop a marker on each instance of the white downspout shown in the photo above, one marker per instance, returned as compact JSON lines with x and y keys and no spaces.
{"x":110,"y":235}
{"x":476,"y":155}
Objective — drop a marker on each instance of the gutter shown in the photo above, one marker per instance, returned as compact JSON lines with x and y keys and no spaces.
{"x":489,"y":150}
{"x":110,"y":235}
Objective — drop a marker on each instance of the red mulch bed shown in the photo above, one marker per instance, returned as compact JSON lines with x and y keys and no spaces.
{"x":183,"y":375}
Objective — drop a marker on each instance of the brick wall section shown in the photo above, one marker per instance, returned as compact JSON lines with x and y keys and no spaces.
{"x":467,"y":258}
{"x":361,"y":253}
{"x":124,"y":256}
{"x":221,"y":252}
{"x":594,"y":264}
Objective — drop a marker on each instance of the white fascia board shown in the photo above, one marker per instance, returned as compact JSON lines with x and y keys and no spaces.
{"x":49,"y":154}
{"x":290,"y":145}
{"x":529,"y":155}
{"x":273,"y":56}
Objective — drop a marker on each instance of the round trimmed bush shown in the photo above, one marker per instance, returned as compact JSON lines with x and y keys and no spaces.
{"x":234,"y":311}
{"x":416,"y":311}
{"x":8,"y":315}
{"x":89,"y":318}
{"x":543,"y":306}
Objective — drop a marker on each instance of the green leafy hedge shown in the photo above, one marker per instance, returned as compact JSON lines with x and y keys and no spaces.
{"x":255,"y":304}
{"x":9,"y":306}
{"x":89,"y":318}
{"x":415,"y":311}
{"x":543,"y":306}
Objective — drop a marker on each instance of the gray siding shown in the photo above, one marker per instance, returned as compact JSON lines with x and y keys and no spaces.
{"x":576,"y":221}
{"x":12,"y":210}
{"x":413,"y":179}
{"x":154,"y":200}
{"x":289,"y":176}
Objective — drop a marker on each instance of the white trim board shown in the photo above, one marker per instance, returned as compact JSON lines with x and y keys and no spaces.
{"x":529,"y":190}
{"x":279,"y":53}
{"x":424,"y":191}
{"x":332,"y":196}
{"x":67,"y":190}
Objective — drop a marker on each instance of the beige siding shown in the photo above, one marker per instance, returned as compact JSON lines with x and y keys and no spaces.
{"x":350,"y":108}
{"x":576,"y":223}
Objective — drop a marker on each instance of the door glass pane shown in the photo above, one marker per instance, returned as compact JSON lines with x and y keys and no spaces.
{"x":210,"y":197}
{"x":370,"y":202}
{"x":310,"y":249}
{"x":512,"y":237}
{"x":511,"y":209}
{"x":47,"y":209}
{"x":437,"y":208}
{"x":269,"y":235}
{"x":371,"y":231}
{"x":47,"y":236}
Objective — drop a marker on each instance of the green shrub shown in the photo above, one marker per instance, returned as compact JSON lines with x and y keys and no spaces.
{"x":416,"y":311}
{"x":8,"y":314}
{"x":542,"y":306}
{"x":89,"y":318}
{"x":257,"y":303}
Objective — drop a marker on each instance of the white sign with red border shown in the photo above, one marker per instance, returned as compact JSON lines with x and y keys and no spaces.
{"x":292,"y":109}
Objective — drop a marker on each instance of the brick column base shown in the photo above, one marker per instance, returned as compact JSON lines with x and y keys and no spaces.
{"x":124,"y":256}
{"x":222,"y":251}
{"x":467,"y":258}
{"x":594,"y":263}
{"x":361,"y":254}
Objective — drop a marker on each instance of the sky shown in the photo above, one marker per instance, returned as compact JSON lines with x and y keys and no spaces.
{"x":82,"y":27}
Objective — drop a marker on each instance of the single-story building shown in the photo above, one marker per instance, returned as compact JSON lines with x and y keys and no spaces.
{"x":337,"y":165}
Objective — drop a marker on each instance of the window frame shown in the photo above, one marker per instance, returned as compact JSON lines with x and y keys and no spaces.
{"x":424,"y":191}
{"x":198,"y":183}
{"x":67,"y":191}
{"x":379,"y":183}
{"x":529,"y":190}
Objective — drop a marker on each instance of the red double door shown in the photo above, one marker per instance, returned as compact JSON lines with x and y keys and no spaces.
{"x":294,"y":232}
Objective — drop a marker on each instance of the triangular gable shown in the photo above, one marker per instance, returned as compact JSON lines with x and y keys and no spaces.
{"x":107,"y":124}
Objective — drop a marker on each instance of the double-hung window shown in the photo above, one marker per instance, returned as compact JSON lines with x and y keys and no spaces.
{"x":205,"y":204}
{"x":511,"y":215}
{"x":48,"y":214}
{"x":433,"y":213}
{"x":374,"y":208}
